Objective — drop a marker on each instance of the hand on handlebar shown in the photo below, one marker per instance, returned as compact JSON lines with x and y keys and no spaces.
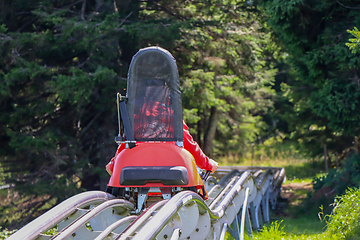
{"x":108,"y":168}
{"x":214,"y":165}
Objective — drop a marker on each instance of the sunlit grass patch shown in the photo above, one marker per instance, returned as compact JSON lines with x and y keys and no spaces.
{"x":342,"y":223}
{"x":298,"y":169}
{"x":278,"y":230}
{"x":309,"y":224}
{"x":263,"y":158}
{"x":300,"y":172}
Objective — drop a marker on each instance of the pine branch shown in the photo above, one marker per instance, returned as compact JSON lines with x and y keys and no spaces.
{"x":346,"y":6}
{"x":83,"y":10}
{"x":99,"y":4}
{"x":168,"y":10}
{"x":37,"y":205}
{"x":85,"y":129}
{"x":71,"y":4}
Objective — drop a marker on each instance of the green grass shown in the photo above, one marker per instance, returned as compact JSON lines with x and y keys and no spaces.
{"x":342,"y":223}
{"x":297,"y":222}
{"x":345,"y":217}
{"x":298,"y":169}
{"x":307,"y":225}
{"x":277,"y":230}
{"x":293,"y":224}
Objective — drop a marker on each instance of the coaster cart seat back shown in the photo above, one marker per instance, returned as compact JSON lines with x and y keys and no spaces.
{"x":154,"y":165}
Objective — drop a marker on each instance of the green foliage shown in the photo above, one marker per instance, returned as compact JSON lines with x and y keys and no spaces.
{"x":354,"y":43}
{"x":344,"y":220}
{"x":5,"y":233}
{"x":342,"y":223}
{"x":226,"y":78}
{"x":318,"y":88}
{"x":335,"y":183}
{"x":274,"y":231}
{"x":342,"y":178}
{"x":62,"y":63}
{"x":58,"y":75}
{"x":277,"y":230}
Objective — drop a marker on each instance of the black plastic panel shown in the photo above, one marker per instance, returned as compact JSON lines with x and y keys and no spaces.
{"x":168,"y":175}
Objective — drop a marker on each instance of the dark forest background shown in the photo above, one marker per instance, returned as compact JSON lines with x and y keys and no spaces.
{"x":251,"y":71}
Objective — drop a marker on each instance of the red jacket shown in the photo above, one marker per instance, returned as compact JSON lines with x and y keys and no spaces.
{"x":202,"y":161}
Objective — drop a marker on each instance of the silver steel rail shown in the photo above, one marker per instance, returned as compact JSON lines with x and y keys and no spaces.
{"x":181,"y":200}
{"x":143,"y":218}
{"x":71,"y":229}
{"x":235,"y":189}
{"x":243,"y":214}
{"x":223,"y":231}
{"x":55,"y":215}
{"x":186,"y":215}
{"x":279,"y":177}
{"x":176,"y":234}
{"x":111,"y":228}
{"x":155,"y":224}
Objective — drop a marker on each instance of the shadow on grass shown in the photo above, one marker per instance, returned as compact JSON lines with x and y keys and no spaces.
{"x":298,"y":218}
{"x":304,"y":171}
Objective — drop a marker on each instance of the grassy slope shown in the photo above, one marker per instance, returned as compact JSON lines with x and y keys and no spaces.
{"x":293,"y":223}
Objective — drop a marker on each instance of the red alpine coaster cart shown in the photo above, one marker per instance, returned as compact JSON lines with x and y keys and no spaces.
{"x":151,"y":163}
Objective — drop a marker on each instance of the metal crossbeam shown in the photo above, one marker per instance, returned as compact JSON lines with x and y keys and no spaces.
{"x":184,"y":216}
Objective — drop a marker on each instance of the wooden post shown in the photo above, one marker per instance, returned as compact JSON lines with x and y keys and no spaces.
{"x":325,"y":159}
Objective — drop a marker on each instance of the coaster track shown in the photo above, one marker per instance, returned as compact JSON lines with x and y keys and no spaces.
{"x":99,"y":215}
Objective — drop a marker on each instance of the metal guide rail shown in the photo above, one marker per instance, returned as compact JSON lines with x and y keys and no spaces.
{"x":239,"y":197}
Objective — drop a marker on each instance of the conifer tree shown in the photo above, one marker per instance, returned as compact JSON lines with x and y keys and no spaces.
{"x":322,"y":80}
{"x":62,"y":63}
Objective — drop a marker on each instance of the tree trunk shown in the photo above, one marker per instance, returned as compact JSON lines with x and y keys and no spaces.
{"x":325,"y":159}
{"x":210,"y":132}
{"x":337,"y":160}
